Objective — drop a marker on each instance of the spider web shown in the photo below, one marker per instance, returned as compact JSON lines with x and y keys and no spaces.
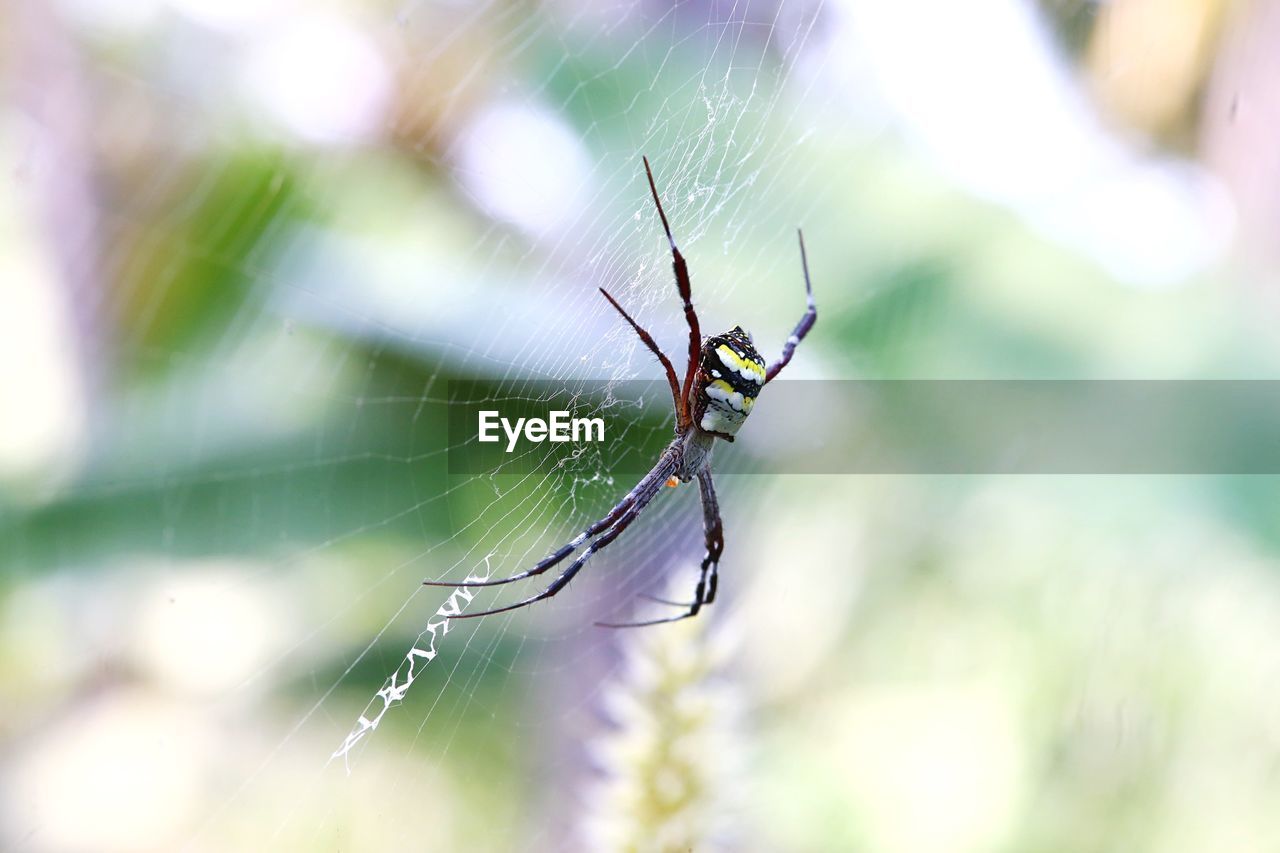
{"x":322,"y":217}
{"x":708,"y":126}
{"x":467,"y":245}
{"x":712,"y":126}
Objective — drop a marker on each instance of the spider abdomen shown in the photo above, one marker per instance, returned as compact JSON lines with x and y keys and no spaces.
{"x":730,"y":376}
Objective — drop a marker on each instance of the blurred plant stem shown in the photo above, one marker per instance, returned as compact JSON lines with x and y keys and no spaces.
{"x":674,"y":753}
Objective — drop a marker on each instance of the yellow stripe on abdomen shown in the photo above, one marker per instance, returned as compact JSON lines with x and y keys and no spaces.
{"x":746,"y":368}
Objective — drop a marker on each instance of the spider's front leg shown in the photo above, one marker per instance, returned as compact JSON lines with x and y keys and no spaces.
{"x":609,"y":528}
{"x":709,"y":573}
{"x":713,"y":530}
{"x":562,"y":580}
{"x":641,"y":494}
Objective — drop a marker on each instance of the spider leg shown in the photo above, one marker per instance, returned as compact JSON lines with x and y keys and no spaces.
{"x":682,"y":416}
{"x":685,"y":288}
{"x":709,"y":573}
{"x":713,"y":530}
{"x":805,"y":324}
{"x":622,"y":523}
{"x":660,"y":600}
{"x":650,"y":482}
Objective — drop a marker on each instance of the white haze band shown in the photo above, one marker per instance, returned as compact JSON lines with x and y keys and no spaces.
{"x":559,"y":428}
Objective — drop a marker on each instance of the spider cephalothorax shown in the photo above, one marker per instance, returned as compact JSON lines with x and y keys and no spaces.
{"x":730,"y":376}
{"x":723,"y":377}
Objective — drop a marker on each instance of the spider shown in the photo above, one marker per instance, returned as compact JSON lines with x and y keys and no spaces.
{"x":723,"y":378}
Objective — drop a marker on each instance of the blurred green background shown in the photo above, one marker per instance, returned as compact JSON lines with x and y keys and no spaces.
{"x":245,"y":248}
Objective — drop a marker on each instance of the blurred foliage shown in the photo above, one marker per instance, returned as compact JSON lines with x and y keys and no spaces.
{"x":199,"y":268}
{"x":932,"y":663}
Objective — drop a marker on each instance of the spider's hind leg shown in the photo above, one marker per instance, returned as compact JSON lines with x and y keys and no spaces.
{"x":806,"y":321}
{"x":685,"y":288}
